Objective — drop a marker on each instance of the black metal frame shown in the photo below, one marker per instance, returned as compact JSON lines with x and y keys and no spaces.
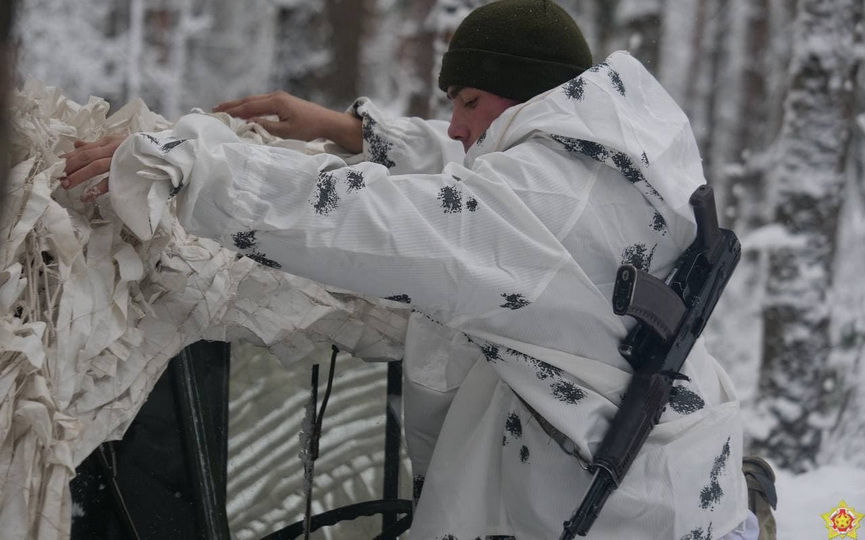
{"x":211,"y":511}
{"x":201,"y":404}
{"x":210,"y":488}
{"x":390,"y":506}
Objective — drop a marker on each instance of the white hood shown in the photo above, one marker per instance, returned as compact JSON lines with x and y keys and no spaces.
{"x":644,"y":134}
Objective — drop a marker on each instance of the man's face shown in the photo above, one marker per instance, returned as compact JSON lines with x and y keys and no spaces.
{"x":473,"y":112}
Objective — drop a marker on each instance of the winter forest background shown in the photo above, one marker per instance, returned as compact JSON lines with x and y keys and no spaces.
{"x":773,"y":88}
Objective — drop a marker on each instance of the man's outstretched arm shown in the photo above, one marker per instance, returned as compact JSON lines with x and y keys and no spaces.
{"x":297,"y":119}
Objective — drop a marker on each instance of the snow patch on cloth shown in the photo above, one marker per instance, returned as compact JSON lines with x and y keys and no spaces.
{"x":90,"y":316}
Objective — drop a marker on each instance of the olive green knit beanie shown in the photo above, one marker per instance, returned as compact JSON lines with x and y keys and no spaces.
{"x":515,"y":49}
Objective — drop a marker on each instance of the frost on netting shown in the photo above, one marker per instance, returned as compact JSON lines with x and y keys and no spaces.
{"x":90,"y":315}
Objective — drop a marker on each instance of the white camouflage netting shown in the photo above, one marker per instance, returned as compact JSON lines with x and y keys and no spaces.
{"x":90,"y":316}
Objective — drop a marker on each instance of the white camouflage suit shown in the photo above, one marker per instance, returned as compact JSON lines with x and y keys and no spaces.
{"x":507,"y":256}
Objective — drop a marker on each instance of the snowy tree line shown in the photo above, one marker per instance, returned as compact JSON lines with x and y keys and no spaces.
{"x":773,"y":89}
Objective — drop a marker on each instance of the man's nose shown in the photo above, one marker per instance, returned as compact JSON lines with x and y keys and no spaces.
{"x":457,"y":129}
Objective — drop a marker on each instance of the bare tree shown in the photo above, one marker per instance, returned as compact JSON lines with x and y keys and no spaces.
{"x":605,"y":21}
{"x":417,"y":47}
{"x":719,"y":98}
{"x":637,"y":28}
{"x":6,"y":71}
{"x":319,"y":49}
{"x":847,"y":429}
{"x":807,"y":182}
{"x":347,"y":20}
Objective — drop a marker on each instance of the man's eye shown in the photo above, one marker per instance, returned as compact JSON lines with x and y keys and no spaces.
{"x":472,"y":103}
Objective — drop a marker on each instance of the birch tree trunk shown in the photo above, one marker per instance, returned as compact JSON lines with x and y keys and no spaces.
{"x":844,"y":440}
{"x":742,"y":145}
{"x":136,"y":45}
{"x":747,"y":189}
{"x":179,"y":61}
{"x":808,"y":181}
{"x":719,"y":99}
{"x":678,"y":22}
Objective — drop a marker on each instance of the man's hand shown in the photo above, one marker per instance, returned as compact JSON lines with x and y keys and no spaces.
{"x":88,"y":160}
{"x":297,"y":119}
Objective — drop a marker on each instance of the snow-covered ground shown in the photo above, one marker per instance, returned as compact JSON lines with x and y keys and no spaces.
{"x":803,"y":498}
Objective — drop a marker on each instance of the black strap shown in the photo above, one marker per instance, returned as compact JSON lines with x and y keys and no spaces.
{"x":760,"y":477}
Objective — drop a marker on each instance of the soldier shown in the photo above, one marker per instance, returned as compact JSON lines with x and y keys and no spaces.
{"x":503,"y":230}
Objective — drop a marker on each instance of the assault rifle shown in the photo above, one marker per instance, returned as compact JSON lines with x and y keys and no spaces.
{"x":671,"y":314}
